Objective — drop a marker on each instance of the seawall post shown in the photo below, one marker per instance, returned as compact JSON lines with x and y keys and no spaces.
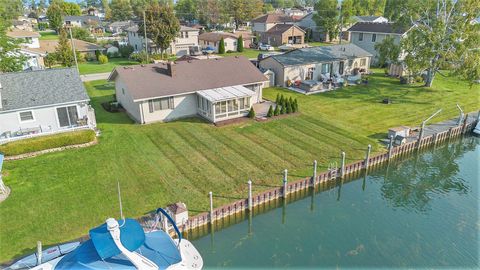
{"x":250,"y":204}
{"x":367,"y":157}
{"x":210,"y":194}
{"x":342,"y":168}
{"x":314,"y":177}
{"x":390,"y":147}
{"x":285,"y":181}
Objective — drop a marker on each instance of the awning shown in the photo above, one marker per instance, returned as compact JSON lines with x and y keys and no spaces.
{"x":226,"y":93}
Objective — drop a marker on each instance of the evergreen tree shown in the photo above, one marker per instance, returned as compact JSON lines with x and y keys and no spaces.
{"x":221,"y":46}
{"x":283,"y":110}
{"x":270,"y":111}
{"x":251,"y":113}
{"x":282,"y":99}
{"x":277,"y":100}
{"x":106,"y":9}
{"x":54,"y":15}
{"x":288,"y":106}
{"x":277,"y":110}
{"x":64,"y":51}
{"x":240,"y":44}
{"x":296,"y":105}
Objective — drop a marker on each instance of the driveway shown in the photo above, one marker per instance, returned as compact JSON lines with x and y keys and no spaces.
{"x":94,"y":77}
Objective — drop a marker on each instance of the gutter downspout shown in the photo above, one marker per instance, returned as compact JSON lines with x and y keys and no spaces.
{"x":142,"y":119}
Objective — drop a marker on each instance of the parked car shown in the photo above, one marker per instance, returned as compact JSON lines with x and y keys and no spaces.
{"x":265,"y":47}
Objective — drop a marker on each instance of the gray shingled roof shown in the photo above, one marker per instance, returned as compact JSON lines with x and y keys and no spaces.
{"x":374,"y":27}
{"x":320,"y":54}
{"x":27,"y":89}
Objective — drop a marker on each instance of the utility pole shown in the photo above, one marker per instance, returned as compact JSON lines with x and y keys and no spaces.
{"x":73,"y":48}
{"x":145,"y":34}
{"x":341,"y":25}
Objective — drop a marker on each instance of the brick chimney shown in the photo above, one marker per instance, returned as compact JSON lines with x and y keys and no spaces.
{"x":171,"y":69}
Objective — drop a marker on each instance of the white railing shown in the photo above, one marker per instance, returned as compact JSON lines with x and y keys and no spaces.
{"x":44,"y":133}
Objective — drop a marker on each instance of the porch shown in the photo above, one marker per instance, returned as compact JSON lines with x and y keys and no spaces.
{"x":224,"y":103}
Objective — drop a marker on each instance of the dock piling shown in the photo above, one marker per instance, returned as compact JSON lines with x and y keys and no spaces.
{"x":314,"y":178}
{"x":390,"y":146}
{"x":285,"y":181}
{"x":210,"y":194}
{"x":342,"y":168}
{"x":250,"y":206}
{"x":367,"y":156}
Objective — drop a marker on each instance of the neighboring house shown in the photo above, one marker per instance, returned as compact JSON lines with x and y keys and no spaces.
{"x":186,"y":38}
{"x":215,"y":89}
{"x":283,"y":34}
{"x":111,"y":50}
{"x":86,"y":21}
{"x":316,"y":63}
{"x":293,"y":12}
{"x":317,"y":33}
{"x":212,"y":39}
{"x":43,"y":102}
{"x":30,"y":41}
{"x":263,"y":23}
{"x":367,"y":34}
{"x":374,"y":19}
{"x":120,"y":26}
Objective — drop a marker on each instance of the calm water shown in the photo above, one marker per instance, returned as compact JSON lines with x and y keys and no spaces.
{"x":422,"y":212}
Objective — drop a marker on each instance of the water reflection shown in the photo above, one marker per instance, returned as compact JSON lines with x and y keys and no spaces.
{"x":412,"y":184}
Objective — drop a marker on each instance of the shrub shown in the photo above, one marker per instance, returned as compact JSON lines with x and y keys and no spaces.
{"x":283,"y":110}
{"x":103,"y":59}
{"x":125,"y":51}
{"x":251,"y":113}
{"x":50,"y":59}
{"x":277,"y":110}
{"x":221,"y":46}
{"x":295,"y":106}
{"x":42,"y":26}
{"x":240,"y":44}
{"x":270,"y":111}
{"x":47,"y":142}
{"x":140,"y":57}
{"x":277,"y":100}
{"x":282,"y":99}
{"x":97,"y":55}
{"x":81,"y":57}
{"x":288,"y":106}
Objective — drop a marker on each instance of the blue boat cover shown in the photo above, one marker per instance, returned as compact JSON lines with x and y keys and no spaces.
{"x":158,"y":247}
{"x":131,"y":236}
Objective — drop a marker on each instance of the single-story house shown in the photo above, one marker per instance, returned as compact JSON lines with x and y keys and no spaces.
{"x":212,"y":39}
{"x":367,"y":34}
{"x":43,"y":102}
{"x":49,"y":46}
{"x":215,"y":89}
{"x":317,"y":63}
{"x":283,"y":34}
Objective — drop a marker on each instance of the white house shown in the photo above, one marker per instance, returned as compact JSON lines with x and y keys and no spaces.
{"x":186,"y":38}
{"x":43,"y":102}
{"x":215,"y":89}
{"x":317,"y":64}
{"x":86,"y":21}
{"x":263,"y":23}
{"x":30,"y":40}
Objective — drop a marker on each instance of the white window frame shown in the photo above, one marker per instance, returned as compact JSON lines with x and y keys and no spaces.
{"x":66,"y":106}
{"x":26,"y":121}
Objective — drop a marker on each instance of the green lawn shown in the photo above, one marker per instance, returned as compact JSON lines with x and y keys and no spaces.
{"x":57,"y":197}
{"x":96,"y":67}
{"x":247,"y":52}
{"x":48,"y":35}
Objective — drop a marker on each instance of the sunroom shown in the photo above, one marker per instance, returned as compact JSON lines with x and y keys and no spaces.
{"x":224,"y":103}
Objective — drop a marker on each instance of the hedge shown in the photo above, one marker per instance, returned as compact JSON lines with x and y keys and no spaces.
{"x":47,"y":142}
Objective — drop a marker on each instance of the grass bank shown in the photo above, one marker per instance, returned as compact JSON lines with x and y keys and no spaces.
{"x":47,"y":142}
{"x":59,"y":196}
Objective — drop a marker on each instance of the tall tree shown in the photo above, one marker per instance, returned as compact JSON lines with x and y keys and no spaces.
{"x":54,"y":15}
{"x":186,"y":10}
{"x":161,"y":24}
{"x":121,"y":10}
{"x":242,"y":10}
{"x":10,"y":57}
{"x":327,"y":17}
{"x":71,"y":9}
{"x":42,"y":5}
{"x":9,"y":10}
{"x":63,"y":51}
{"x":443,"y":35}
{"x":106,"y":9}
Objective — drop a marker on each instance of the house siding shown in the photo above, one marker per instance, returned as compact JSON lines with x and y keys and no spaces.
{"x":276,"y":67}
{"x":45,"y":118}
{"x":125,"y":99}
{"x":184,"y":106}
{"x":367,"y":43}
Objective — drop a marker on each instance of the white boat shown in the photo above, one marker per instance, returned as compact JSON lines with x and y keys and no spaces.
{"x":47,"y":255}
{"x":476,"y":130}
{"x":125,"y":245}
